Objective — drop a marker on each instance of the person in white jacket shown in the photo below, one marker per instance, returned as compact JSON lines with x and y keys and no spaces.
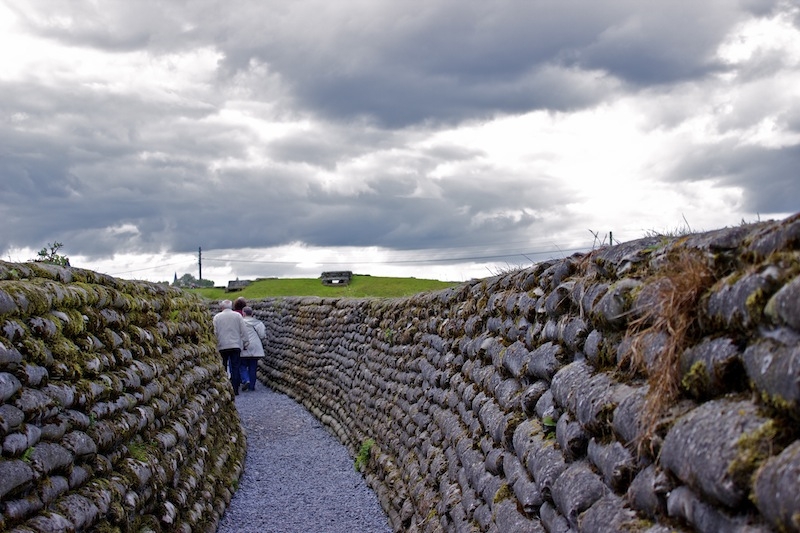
{"x":231,"y":333}
{"x":256,"y":332}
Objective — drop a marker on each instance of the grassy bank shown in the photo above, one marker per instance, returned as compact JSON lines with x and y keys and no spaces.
{"x":359,"y":287}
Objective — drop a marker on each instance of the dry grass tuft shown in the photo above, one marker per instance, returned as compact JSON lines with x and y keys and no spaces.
{"x":678,"y":288}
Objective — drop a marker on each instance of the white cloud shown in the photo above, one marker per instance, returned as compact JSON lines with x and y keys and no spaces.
{"x":755,"y":39}
{"x":124,"y":229}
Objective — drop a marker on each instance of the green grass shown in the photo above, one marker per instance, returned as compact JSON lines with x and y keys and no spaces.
{"x":359,"y":287}
{"x":362,"y":459}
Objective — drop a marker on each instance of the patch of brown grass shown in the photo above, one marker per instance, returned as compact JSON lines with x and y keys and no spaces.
{"x":678,"y":287}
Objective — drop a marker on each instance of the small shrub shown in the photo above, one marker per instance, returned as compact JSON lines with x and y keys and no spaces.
{"x":49,"y":254}
{"x":27,"y":455}
{"x":362,"y":459}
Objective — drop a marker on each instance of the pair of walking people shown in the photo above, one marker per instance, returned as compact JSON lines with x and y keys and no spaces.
{"x":239,"y":341}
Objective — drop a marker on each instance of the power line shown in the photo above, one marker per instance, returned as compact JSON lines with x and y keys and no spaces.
{"x":430,"y":260}
{"x":148,"y":268}
{"x":403,"y":261}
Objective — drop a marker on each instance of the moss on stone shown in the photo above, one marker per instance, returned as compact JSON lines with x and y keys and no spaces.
{"x":784,"y":407}
{"x":503,"y":493}
{"x":754,"y":305}
{"x":35,"y":351}
{"x":696,"y":381}
{"x":753,"y":449}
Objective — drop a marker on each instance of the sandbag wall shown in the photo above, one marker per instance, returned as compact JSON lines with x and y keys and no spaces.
{"x":115,"y":411}
{"x":650,"y":386}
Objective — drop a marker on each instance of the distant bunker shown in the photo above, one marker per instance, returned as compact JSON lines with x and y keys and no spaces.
{"x":336,"y":278}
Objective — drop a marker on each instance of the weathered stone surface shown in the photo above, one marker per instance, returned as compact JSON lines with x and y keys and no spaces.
{"x":544,"y":363}
{"x":738,"y":301}
{"x":54,"y":431}
{"x":773,"y":366}
{"x":592,"y":348}
{"x":715,"y":448}
{"x":32,"y":435}
{"x":10,"y":418}
{"x":648,"y":491}
{"x":683,"y":504}
{"x":7,"y":307}
{"x":52,"y":488}
{"x":784,"y":306}
{"x":527,"y":437}
{"x":17,"y":510}
{"x":9,"y":355}
{"x":531,"y":395}
{"x":766,"y":239}
{"x":577,"y":489}
{"x":516,"y":359}
{"x":651,"y":347}
{"x":777,"y":489}
{"x":552,"y":520}
{"x":527,"y":494}
{"x":79,"y":510}
{"x":13,"y":475}
{"x":508,"y":394}
{"x":9,"y":385}
{"x":35,"y":404}
{"x":589,"y":295}
{"x":596,"y":402}
{"x":710,"y":368}
{"x":572,"y":332}
{"x":545,"y":465}
{"x":613,"y":307}
{"x":507,"y":518}
{"x":48,"y":457}
{"x":627,"y":418}
{"x":609,"y":515}
{"x":615,"y":462}
{"x":566,"y":382}
{"x":50,"y":522}
{"x":80,"y":444}
{"x":546,"y":407}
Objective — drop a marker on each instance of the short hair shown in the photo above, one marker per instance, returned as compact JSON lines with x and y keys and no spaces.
{"x":225,"y":304}
{"x":248,"y":311}
{"x":240,"y":303}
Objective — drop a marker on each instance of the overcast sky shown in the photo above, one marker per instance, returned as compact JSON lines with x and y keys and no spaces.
{"x":444,"y":139}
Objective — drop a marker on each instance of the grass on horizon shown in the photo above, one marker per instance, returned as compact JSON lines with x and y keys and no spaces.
{"x":360,"y":287}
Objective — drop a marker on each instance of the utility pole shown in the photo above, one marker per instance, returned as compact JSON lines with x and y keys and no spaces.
{"x":200,"y":262}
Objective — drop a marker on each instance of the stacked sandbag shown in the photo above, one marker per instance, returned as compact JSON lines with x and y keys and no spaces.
{"x":115,"y":412}
{"x":650,"y":386}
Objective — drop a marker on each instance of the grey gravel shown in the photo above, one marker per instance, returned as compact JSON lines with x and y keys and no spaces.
{"x":298,"y":478}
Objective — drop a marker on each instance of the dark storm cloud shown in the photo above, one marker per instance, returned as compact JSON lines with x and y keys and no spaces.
{"x":769,"y":177}
{"x":448,"y":60}
{"x":78,"y":161}
{"x":313,"y":148}
{"x":395,"y":100}
{"x":391,"y":216}
{"x":401,"y":64}
{"x":660,"y":43}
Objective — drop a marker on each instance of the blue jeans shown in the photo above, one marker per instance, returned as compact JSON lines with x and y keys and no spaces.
{"x":249,"y":365}
{"x":232,"y":362}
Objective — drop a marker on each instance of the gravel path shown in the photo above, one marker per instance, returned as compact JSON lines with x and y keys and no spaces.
{"x":298,"y":478}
